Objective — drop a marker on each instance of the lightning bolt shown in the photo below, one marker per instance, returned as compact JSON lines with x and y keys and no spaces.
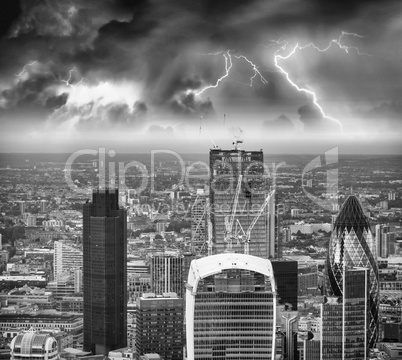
{"x":70,"y":74}
{"x":283,"y":47}
{"x":228,"y":66}
{"x":256,"y":71}
{"x":24,"y":69}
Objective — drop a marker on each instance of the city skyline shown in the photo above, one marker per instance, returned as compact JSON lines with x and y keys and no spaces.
{"x":201,"y":180}
{"x":288,"y":77}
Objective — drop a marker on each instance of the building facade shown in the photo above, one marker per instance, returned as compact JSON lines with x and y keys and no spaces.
{"x":199,"y":222}
{"x":344,"y":319}
{"x":105,"y":273}
{"x":231,"y":308}
{"x":226,"y":166}
{"x":167,"y":274}
{"x":159,"y":329}
{"x":285,"y":273}
{"x":43,"y":320}
{"x":67,"y":258}
{"x":352,"y":245}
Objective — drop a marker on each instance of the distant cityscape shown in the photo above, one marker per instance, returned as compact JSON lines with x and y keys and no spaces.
{"x":232,"y":254}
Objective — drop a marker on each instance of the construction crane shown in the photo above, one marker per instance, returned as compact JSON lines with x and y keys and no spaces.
{"x":206,"y":217}
{"x":209,"y":225}
{"x":250,"y":228}
{"x":229,"y":221}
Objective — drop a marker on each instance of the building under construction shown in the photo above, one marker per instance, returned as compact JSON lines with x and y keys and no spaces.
{"x":199,"y":222}
{"x":240,"y":208}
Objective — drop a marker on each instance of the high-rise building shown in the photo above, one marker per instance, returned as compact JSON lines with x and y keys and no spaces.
{"x":352,"y":245}
{"x":294,"y":213}
{"x":231,"y":308}
{"x":308,"y":277}
{"x":105,"y":273}
{"x":78,"y":288}
{"x":287,"y":235}
{"x":344,"y":319}
{"x":31,"y":220}
{"x":226,"y":166}
{"x":392,"y":196}
{"x":167,"y":274}
{"x":159,"y":322}
{"x":310,"y":346}
{"x":199,"y":222}
{"x":43,"y":205}
{"x":22,"y":207}
{"x":287,"y":319}
{"x":67,"y":258}
{"x":285,"y":273}
{"x":385,"y":240}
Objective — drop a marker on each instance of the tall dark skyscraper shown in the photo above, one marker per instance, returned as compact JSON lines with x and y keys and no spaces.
{"x":352,"y":245}
{"x":286,"y":277}
{"x":226,"y":166}
{"x":105,"y":273}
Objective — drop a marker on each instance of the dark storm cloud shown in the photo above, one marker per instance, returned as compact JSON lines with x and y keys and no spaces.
{"x":159,"y":130}
{"x":10,"y":12}
{"x":282,"y":123}
{"x":187,"y":104}
{"x":384,"y":115}
{"x":56,"y":101}
{"x":93,"y":116}
{"x":159,"y":45}
{"x":314,"y":121}
{"x":34,"y":93}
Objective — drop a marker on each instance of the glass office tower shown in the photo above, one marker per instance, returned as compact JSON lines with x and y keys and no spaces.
{"x":344,"y":319}
{"x":226,"y":166}
{"x":352,"y":245}
{"x":230,"y":308}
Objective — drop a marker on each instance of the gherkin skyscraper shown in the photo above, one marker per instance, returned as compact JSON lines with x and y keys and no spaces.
{"x":352,"y":245}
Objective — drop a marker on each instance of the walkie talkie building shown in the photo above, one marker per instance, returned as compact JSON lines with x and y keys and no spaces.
{"x":352,"y":245}
{"x":230,"y":308}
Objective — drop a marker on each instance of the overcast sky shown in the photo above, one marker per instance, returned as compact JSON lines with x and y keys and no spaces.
{"x":185,"y":75}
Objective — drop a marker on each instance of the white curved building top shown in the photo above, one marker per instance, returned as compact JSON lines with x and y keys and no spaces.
{"x":211,"y":265}
{"x":31,"y":343}
{"x":265,"y":303}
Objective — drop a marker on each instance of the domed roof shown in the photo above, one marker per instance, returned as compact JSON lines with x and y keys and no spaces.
{"x":26,"y":341}
{"x":351,"y":216}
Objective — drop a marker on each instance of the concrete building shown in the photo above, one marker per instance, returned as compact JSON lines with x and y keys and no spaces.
{"x":308,"y":277}
{"x":44,"y":299}
{"x":392,"y":196}
{"x":31,"y":220}
{"x":167,"y":273}
{"x":138,"y":284}
{"x":43,"y":205}
{"x":44,"y":320}
{"x":160,"y":326}
{"x":68,"y":258}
